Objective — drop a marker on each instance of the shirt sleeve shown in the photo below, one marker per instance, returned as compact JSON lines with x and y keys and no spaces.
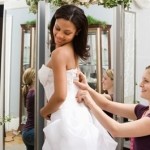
{"x":139,"y":110}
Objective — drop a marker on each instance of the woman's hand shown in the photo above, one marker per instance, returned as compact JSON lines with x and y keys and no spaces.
{"x":82,"y":83}
{"x":84,"y":96}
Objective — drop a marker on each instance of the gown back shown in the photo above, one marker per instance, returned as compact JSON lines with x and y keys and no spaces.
{"x":72,"y":127}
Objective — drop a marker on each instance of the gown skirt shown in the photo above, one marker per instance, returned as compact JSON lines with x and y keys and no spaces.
{"x":73,"y":126}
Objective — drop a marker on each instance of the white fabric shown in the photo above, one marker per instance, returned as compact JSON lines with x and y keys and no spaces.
{"x":143,"y":3}
{"x":72,"y":127}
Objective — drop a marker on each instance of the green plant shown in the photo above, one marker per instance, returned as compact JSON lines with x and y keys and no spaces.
{"x":114,"y":3}
{"x":5,"y":119}
{"x":106,"y":3}
{"x":33,"y":5}
{"x":32,"y":22}
{"x":92,"y":21}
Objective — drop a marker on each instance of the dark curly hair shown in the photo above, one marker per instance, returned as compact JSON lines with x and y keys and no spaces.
{"x":77,"y":17}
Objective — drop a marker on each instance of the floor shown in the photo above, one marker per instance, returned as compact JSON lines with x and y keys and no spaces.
{"x":13,"y":141}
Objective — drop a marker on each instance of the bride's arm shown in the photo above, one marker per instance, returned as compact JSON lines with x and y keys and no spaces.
{"x":58,"y":65}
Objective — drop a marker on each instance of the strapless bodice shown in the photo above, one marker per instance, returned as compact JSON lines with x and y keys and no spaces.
{"x":46,"y":78}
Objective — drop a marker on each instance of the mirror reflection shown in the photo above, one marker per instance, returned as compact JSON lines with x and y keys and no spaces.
{"x":28,"y":93}
{"x":106,"y":47}
{"x":19,"y":48}
{"x":27,"y":60}
{"x":100,"y":56}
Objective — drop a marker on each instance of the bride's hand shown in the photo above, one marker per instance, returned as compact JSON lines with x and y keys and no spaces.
{"x":47,"y":117}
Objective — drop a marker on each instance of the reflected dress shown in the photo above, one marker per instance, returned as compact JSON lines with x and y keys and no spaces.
{"x":72,"y":126}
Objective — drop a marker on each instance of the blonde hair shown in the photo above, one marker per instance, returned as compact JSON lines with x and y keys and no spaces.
{"x":28,"y":80}
{"x":110,"y":74}
{"x":148,"y":67}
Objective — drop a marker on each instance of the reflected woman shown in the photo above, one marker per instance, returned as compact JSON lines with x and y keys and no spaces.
{"x":108,"y":86}
{"x":28,"y":91}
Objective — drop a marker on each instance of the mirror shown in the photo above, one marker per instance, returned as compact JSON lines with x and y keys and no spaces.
{"x":13,"y":19}
{"x":28,"y":45}
{"x":27,"y":60}
{"x":106,"y":47}
{"x":129,"y":56}
{"x":100,"y":55}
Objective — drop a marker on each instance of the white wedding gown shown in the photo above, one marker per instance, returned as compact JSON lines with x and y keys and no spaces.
{"x":72,"y":127}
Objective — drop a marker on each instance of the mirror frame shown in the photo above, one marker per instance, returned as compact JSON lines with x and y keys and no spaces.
{"x":31,"y":29}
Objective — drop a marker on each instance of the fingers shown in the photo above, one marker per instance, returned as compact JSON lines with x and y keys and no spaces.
{"x":48,"y":117}
{"x":81,"y":95}
{"x":79,"y":84}
{"x":81,"y":76}
{"x":78,"y":96}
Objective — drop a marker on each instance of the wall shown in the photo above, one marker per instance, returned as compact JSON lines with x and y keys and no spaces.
{"x":1,"y":1}
{"x":10,"y":4}
{"x":142,"y":44}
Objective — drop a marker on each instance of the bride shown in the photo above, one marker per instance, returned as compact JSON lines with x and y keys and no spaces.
{"x":70,"y":125}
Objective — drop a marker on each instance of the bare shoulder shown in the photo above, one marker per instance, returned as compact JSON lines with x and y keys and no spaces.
{"x":59,"y":53}
{"x":59,"y":57}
